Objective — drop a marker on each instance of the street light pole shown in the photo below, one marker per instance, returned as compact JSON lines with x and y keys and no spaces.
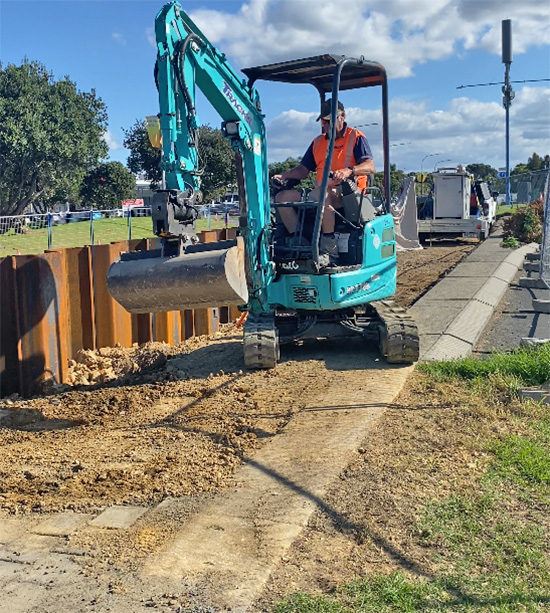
{"x":441,"y":162}
{"x":508,"y":94}
{"x":421,"y":165}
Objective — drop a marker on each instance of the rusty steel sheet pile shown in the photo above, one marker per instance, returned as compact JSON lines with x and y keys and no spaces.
{"x":56,"y":303}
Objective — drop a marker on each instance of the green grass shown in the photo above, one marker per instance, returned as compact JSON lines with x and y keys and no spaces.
{"x":526,"y":366}
{"x":523,"y":458}
{"x":503,"y":209}
{"x":304,"y":603}
{"x":489,"y":542}
{"x":78,"y":234}
{"x":378,"y":594}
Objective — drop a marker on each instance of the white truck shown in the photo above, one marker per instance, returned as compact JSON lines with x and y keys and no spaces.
{"x":456,"y":206}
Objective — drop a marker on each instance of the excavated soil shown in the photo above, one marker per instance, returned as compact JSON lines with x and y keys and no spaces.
{"x":142,"y":424}
{"x":153,"y":423}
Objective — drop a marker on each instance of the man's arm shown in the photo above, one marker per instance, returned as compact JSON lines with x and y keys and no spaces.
{"x":298,"y":172}
{"x":364,"y":168}
{"x":302,"y":170}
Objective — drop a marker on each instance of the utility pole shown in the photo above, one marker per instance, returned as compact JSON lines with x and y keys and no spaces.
{"x":508,"y":93}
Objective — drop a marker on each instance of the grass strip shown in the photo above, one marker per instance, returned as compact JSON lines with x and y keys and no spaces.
{"x":528,"y":365}
{"x":487,"y":544}
{"x":78,"y":234}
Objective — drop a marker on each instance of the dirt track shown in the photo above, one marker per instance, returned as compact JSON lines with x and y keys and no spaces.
{"x":172,"y":422}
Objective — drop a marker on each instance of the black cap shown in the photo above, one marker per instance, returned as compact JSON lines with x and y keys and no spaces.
{"x":326,"y":108}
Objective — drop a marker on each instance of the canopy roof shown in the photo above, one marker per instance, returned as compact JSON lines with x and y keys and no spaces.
{"x":319,"y":72}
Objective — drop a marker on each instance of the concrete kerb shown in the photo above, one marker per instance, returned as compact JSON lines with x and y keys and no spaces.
{"x":541,"y":306}
{"x":462,"y":333}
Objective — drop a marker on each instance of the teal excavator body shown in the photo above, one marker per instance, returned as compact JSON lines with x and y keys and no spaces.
{"x":279,"y":282}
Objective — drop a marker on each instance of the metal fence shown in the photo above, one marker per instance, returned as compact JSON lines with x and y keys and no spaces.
{"x":545,"y":246}
{"x":26,"y":234}
{"x":525,"y":187}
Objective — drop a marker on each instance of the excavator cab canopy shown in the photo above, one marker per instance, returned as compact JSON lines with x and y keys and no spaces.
{"x":330,"y":73}
{"x":319,"y":72}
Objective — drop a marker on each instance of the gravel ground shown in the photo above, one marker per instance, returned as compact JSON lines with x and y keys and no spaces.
{"x":144,"y":424}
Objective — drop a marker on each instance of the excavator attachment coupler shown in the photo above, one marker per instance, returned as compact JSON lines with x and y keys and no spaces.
{"x":206,"y":275}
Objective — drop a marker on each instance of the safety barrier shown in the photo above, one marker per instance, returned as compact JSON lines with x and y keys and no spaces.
{"x":25,"y":234}
{"x":56,"y":303}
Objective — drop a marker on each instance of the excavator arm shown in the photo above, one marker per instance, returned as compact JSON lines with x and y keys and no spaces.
{"x":187,"y":61}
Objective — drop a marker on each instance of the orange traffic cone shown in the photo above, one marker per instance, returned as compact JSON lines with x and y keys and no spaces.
{"x":18,"y":252}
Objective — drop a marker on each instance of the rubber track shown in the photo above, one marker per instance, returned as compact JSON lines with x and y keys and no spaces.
{"x":261,"y":342}
{"x":399,"y":340}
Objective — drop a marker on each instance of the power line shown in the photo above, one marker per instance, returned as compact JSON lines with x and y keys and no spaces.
{"x":502,"y":83}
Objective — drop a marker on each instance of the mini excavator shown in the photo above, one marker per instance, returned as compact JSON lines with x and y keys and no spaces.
{"x":288,"y":296}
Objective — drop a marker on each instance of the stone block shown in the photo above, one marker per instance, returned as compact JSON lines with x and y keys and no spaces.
{"x":542,"y":306}
{"x":116,"y":518}
{"x":63,"y":524}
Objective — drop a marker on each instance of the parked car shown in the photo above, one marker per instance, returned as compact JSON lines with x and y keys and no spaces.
{"x":75,"y":216}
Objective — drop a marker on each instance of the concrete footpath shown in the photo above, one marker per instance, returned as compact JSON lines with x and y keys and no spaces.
{"x":453,"y":315}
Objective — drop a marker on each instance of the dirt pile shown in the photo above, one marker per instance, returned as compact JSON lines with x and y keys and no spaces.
{"x":175,"y":431}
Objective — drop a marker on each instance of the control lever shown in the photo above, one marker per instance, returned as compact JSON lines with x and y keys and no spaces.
{"x":277,"y":185}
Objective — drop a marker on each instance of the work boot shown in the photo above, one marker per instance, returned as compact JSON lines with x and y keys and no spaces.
{"x":328,"y":251}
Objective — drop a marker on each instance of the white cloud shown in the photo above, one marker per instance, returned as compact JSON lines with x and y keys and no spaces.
{"x":466,"y":131}
{"x":113,"y":144}
{"x":117,"y":36}
{"x":401,"y":34}
{"x":151,"y":39}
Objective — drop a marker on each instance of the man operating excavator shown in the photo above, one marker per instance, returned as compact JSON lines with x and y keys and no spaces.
{"x":352,"y":158}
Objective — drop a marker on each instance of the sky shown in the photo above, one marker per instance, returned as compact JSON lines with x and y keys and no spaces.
{"x":429,"y":48}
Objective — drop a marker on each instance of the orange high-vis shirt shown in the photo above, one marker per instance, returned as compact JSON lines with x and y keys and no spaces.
{"x":342,"y":156}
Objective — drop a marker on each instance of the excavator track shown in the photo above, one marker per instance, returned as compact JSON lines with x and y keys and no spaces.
{"x":399,"y":341}
{"x":261,"y":341}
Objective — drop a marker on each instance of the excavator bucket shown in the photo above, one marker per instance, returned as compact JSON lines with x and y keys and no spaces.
{"x":206,"y":275}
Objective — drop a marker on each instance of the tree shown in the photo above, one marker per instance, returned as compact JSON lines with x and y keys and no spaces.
{"x":396,"y":176}
{"x":217,"y":162}
{"x":520,"y":169}
{"x":107,"y":185}
{"x":535,"y":162}
{"x":482,"y":172}
{"x":50,"y":135}
{"x":216,"y":159}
